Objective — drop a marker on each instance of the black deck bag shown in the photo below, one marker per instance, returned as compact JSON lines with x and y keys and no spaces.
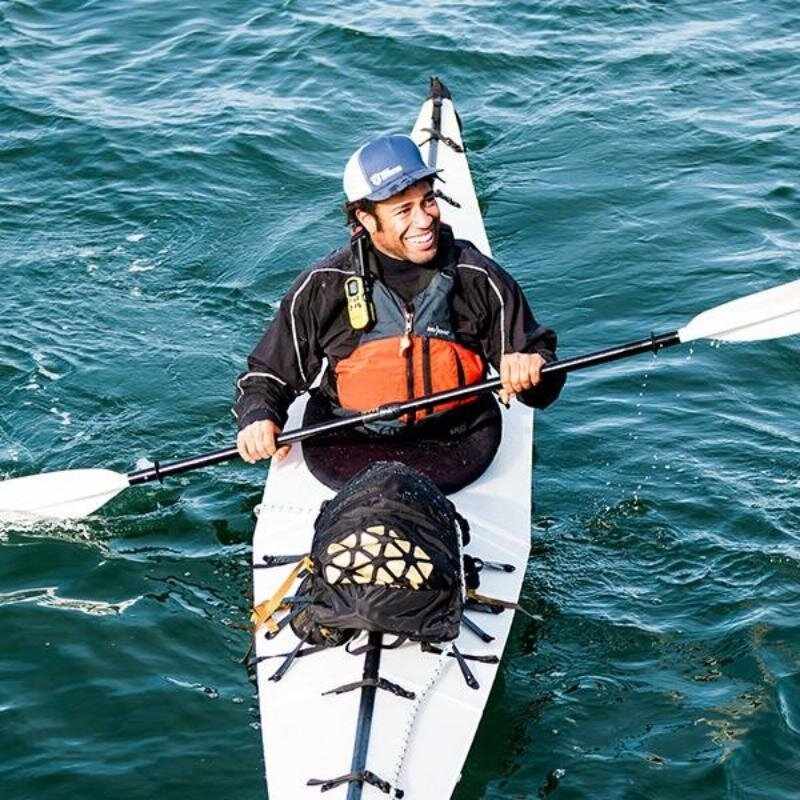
{"x":387,"y":554}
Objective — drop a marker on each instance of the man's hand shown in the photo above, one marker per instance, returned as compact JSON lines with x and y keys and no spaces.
{"x":518,"y":372}
{"x":257,"y":441}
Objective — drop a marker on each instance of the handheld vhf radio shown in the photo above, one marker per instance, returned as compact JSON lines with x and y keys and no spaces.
{"x":360,"y":309}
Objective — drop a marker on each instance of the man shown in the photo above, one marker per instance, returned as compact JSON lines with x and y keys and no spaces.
{"x":441,"y":313}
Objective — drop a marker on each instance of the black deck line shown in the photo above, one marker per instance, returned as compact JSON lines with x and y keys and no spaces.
{"x":372,"y":662}
{"x":436,"y":125}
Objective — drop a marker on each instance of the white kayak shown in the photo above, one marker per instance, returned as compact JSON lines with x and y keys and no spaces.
{"x":418,"y":746}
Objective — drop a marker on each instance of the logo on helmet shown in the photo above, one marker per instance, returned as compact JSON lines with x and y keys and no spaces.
{"x":378,"y":178}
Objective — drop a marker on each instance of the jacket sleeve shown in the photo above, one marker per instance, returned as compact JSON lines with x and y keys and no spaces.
{"x":284,"y":362}
{"x":509,"y":313}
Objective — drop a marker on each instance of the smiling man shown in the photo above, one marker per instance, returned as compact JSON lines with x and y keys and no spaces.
{"x":416,"y":311}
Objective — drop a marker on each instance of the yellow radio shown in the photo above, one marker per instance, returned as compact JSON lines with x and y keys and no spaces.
{"x":360,"y":310}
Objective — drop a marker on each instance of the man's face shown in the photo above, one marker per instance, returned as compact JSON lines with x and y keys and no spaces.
{"x":406,"y":226}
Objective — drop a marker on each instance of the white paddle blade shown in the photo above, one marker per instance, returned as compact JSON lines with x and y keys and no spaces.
{"x":69,"y":494}
{"x":764,"y":315}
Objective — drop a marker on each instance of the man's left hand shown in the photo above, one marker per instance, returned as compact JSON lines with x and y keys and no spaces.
{"x":518,"y":372}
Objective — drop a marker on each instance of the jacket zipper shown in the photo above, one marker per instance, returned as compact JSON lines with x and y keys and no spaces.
{"x":405,"y":339}
{"x":406,"y":352}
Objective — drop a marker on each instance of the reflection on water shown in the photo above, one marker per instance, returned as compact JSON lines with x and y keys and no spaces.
{"x":46,"y":597}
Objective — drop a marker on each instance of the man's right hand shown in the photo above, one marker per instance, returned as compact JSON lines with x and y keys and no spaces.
{"x":257,"y":441}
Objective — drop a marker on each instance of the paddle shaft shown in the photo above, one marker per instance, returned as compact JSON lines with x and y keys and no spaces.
{"x":653,"y":344}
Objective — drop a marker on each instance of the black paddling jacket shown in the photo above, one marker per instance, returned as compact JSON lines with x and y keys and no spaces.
{"x":489,"y":316}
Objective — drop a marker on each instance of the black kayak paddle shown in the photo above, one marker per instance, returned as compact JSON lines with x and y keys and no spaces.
{"x":77,"y":493}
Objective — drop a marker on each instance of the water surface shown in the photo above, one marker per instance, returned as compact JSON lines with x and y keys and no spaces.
{"x":165,"y":172}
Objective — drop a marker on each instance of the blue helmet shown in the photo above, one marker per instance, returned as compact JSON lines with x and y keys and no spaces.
{"x":384,"y":167}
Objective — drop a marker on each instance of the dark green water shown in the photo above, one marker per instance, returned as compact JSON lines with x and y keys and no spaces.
{"x":166,"y":169}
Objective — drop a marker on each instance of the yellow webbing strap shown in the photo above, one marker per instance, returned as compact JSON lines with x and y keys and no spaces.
{"x":263,"y":612}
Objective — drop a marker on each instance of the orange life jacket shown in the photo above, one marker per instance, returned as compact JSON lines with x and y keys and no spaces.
{"x":409,"y":352}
